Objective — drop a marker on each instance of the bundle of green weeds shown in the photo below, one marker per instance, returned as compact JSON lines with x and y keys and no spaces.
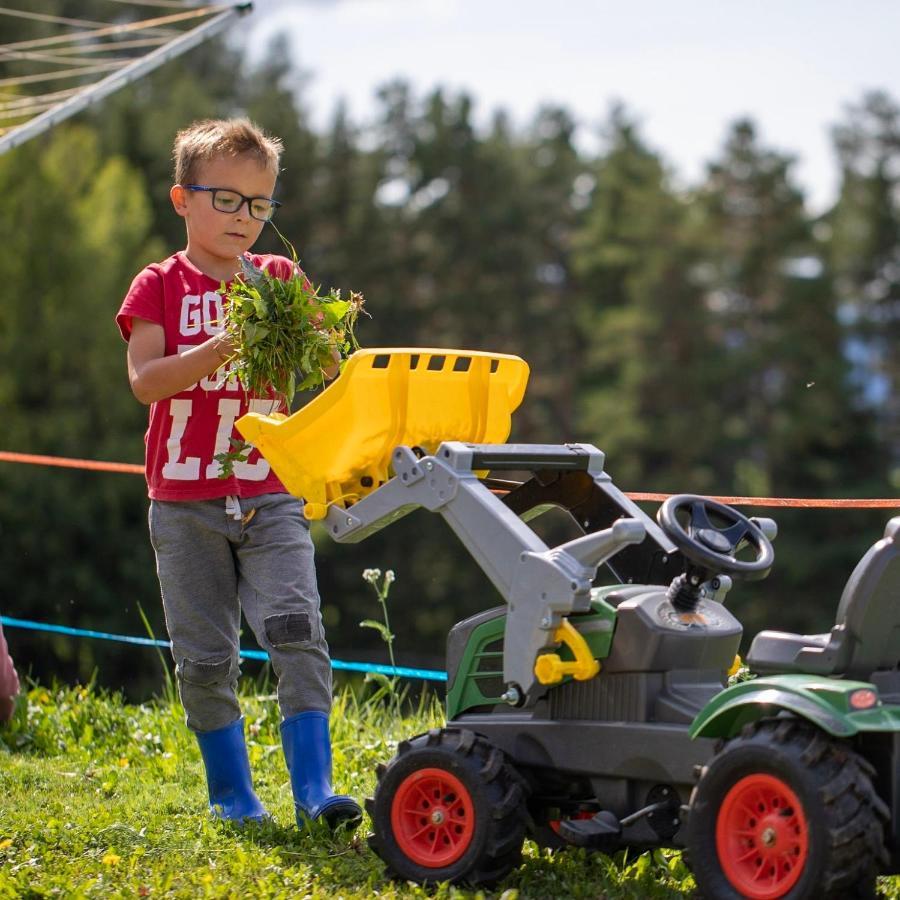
{"x":286,"y":335}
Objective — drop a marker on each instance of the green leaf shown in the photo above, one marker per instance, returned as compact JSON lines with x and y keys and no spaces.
{"x":254,"y":333}
{"x":313,"y":380}
{"x":334,"y":312}
{"x":379,"y":627}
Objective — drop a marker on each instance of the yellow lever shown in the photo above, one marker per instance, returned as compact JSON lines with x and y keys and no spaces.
{"x":550,"y":669}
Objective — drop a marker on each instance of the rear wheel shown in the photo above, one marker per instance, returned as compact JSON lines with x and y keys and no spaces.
{"x":449,"y":807}
{"x":784,"y":810}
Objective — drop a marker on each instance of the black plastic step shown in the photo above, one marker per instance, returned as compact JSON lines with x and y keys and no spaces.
{"x":592,"y":833}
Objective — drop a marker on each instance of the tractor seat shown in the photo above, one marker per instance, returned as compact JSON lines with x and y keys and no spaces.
{"x":866,"y":634}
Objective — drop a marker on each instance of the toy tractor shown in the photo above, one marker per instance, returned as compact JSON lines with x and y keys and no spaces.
{"x":599,"y":717}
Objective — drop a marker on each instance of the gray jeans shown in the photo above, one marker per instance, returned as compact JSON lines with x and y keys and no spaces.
{"x":214,"y":559}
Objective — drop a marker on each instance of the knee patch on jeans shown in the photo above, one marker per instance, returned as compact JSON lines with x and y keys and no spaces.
{"x":289,"y":629}
{"x":207,"y":673}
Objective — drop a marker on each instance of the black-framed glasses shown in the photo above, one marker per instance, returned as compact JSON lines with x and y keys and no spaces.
{"x":228,"y":201}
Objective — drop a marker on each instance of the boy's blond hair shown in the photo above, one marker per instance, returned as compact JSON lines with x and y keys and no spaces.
{"x":210,"y":138}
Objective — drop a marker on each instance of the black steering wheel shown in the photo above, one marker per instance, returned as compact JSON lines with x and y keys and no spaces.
{"x":713,"y":548}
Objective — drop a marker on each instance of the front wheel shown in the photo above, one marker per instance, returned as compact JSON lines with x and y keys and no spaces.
{"x":449,"y":807}
{"x":784,"y":810}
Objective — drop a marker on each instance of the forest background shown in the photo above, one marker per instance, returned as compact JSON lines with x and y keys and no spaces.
{"x":717,"y":339}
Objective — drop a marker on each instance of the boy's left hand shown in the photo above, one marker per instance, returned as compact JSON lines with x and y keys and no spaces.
{"x":333,"y":370}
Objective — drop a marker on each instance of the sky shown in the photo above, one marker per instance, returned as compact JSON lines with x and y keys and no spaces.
{"x":684,"y":70}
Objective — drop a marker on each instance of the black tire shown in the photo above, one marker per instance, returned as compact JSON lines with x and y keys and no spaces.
{"x":449,"y":807}
{"x":835,"y":839}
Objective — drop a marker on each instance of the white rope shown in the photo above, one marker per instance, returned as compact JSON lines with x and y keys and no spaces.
{"x":45,"y":17}
{"x":111,"y":30}
{"x":169,"y":4}
{"x":65,"y":52}
{"x":14,"y":101}
{"x":27,"y":112}
{"x":60,"y":60}
{"x":64,"y":73}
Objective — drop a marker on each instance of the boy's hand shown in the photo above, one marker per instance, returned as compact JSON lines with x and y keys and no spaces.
{"x":223,"y":346}
{"x":333,"y":370}
{"x":155,"y":376}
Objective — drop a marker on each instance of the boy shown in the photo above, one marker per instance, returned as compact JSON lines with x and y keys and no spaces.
{"x":223,"y":545}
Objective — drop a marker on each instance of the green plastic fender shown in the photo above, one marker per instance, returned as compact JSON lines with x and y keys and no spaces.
{"x":823,"y":701}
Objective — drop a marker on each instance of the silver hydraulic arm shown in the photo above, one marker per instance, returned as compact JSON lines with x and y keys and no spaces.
{"x":541,"y":585}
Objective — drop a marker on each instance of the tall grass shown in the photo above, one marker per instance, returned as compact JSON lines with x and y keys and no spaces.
{"x":99,"y":798}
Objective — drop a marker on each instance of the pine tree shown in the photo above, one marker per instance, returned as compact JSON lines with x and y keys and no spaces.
{"x":866,"y":256}
{"x":789,"y":425}
{"x":644,"y":360}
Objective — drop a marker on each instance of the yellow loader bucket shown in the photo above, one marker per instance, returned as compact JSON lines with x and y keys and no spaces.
{"x":337,"y":448}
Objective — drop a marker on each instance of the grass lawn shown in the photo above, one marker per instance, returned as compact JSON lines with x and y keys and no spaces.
{"x":103,"y":799}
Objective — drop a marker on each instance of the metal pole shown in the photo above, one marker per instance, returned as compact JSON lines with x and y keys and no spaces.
{"x":120,"y":79}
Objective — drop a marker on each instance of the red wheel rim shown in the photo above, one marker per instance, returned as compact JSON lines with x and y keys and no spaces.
{"x":433,"y":818}
{"x":762,"y":837}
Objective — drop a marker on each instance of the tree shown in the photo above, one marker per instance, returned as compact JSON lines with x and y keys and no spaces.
{"x":76,"y":225}
{"x":866,"y":256}
{"x":642,"y":391}
{"x":789,"y":424}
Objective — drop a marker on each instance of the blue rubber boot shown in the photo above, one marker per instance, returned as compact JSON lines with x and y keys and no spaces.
{"x":307,"y":748}
{"x":231,"y":795}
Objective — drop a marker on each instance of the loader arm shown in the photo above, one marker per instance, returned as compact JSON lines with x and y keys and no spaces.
{"x":409,"y":428}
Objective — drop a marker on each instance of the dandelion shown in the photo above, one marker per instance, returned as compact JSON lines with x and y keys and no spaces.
{"x":5,"y":843}
{"x":111,"y":859}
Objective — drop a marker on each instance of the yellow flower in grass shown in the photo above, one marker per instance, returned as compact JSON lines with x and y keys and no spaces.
{"x":6,"y":842}
{"x":111,"y":859}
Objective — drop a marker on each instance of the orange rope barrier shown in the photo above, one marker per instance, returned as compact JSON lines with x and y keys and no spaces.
{"x":794,"y":502}
{"x":797,"y":502}
{"x":94,"y":464}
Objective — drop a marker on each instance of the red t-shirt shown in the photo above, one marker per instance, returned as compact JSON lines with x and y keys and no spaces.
{"x":187,"y":430}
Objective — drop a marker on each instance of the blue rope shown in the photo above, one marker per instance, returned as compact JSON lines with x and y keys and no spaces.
{"x":399,"y":671}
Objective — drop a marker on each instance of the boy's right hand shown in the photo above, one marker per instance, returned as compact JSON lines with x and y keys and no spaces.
{"x":155,"y":376}
{"x":223,"y":346}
